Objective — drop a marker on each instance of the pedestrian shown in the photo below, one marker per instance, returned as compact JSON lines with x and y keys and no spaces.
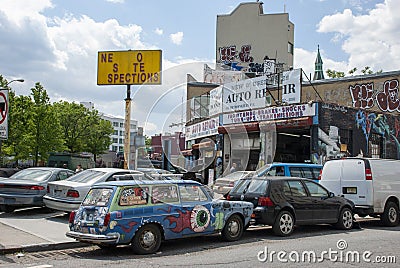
{"x":78,"y":168}
{"x":233,"y":168}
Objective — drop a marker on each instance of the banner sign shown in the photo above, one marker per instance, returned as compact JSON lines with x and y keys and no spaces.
{"x":202,"y":129}
{"x":270,"y":113}
{"x":291,"y":86}
{"x":4,"y":114}
{"x":215,"y":106}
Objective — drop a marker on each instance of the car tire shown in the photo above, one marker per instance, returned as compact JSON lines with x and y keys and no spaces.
{"x":390,"y":216}
{"x":233,"y":229}
{"x":7,"y":208}
{"x":346,"y":219}
{"x":147,"y":239}
{"x":284,"y":224}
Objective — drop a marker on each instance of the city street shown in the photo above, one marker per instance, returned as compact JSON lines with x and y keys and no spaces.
{"x":313,"y":246}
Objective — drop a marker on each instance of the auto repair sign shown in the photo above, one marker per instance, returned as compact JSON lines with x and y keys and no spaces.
{"x":132,"y":67}
{"x":4,"y":114}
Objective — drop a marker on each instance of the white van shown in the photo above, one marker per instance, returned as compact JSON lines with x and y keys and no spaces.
{"x":372,"y":184}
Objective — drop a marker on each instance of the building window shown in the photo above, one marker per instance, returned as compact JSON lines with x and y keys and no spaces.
{"x":115,"y":124}
{"x":115,"y":140}
{"x":116,"y":132}
{"x":121,"y":148}
{"x":199,"y":106}
{"x":121,"y":141}
{"x":121,"y":133}
{"x":290,"y":48}
{"x":114,"y":148}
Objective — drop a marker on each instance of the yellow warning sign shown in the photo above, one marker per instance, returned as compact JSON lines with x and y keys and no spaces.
{"x":132,"y":67}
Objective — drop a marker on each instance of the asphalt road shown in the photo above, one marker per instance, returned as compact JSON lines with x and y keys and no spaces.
{"x":311,"y":246}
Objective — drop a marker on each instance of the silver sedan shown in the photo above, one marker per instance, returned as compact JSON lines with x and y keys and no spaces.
{"x":67,"y":195}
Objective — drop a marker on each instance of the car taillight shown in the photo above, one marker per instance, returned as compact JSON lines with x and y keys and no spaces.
{"x":368,"y":174}
{"x":73,"y":193}
{"x":320,"y":175}
{"x":231,"y":184}
{"x":228,"y":197}
{"x":265,"y":202}
{"x":33,"y":187}
{"x":71,"y":217}
{"x":107,"y":219}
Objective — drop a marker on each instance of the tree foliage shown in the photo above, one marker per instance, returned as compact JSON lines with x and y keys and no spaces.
{"x":336,"y":74}
{"x":36,"y":127}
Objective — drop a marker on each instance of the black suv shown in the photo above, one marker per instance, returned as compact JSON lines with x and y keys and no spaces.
{"x":283,"y":202}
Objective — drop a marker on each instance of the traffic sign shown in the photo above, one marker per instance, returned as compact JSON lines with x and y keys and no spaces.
{"x":132,"y":67}
{"x":3,"y":114}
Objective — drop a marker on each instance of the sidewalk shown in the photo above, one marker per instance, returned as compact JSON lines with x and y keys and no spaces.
{"x":28,"y":232}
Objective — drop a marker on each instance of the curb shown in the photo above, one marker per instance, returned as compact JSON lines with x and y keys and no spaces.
{"x":42,"y":247}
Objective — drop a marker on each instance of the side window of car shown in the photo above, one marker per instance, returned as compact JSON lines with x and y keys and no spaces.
{"x":164,"y":194}
{"x":316,"y":190}
{"x":191,"y":193}
{"x":286,"y":188}
{"x":307,"y":173}
{"x":297,"y":189}
{"x":62,"y":175}
{"x":295,"y":172}
{"x":134,"y":196}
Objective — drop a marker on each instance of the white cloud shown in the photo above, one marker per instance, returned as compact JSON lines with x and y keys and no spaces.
{"x":370,"y":39}
{"x":176,"y":38}
{"x":158,"y":31}
{"x":116,"y":1}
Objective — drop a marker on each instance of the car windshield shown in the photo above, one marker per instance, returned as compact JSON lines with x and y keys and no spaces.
{"x":98,"y":197}
{"x":263,"y":169}
{"x":87,"y":176}
{"x":236,"y":175}
{"x":32,"y":175}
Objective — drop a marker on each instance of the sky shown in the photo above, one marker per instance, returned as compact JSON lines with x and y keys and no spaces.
{"x":56,"y":43}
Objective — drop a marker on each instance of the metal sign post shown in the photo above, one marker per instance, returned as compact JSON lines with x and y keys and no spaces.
{"x":127,"y":138}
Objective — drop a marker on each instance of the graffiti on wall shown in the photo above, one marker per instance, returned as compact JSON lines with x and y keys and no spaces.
{"x":239,"y":60}
{"x":368,"y":122}
{"x":387,"y":100}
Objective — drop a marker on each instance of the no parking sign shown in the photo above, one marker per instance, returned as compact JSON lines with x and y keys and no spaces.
{"x":3,"y":114}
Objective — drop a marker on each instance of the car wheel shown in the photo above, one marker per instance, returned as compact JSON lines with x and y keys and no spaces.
{"x":147,"y":239}
{"x":233,"y":229}
{"x":7,"y":208}
{"x":345,"y":221}
{"x":284,"y":224}
{"x":390,"y":215}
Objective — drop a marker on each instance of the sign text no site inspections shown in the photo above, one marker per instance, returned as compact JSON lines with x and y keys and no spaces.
{"x":131,"y":67}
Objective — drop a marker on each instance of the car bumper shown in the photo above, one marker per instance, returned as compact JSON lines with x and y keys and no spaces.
{"x":61,"y":204}
{"x":93,"y":238}
{"x":21,"y":200}
{"x":263,"y":215}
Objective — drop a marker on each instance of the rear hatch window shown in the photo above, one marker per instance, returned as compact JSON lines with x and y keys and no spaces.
{"x":249,"y":190}
{"x":99,"y":197}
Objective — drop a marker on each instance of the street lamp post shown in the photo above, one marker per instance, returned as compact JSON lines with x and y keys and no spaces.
{"x":5,"y":116}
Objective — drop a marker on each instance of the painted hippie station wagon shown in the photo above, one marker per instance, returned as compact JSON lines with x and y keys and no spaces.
{"x":143,"y":213}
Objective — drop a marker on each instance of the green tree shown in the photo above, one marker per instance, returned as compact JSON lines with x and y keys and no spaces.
{"x":99,"y":138}
{"x":76,"y":121}
{"x":334,"y":74}
{"x":45,"y":130}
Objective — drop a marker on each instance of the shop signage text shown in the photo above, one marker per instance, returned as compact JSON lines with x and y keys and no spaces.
{"x":270,"y":113}
{"x":202,"y":129}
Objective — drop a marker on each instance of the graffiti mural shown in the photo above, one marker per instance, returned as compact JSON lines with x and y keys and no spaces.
{"x":239,"y":60}
{"x":364,"y":97}
{"x":379,"y":124}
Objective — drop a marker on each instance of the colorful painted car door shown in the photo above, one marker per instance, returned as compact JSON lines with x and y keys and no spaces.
{"x":196,"y":211}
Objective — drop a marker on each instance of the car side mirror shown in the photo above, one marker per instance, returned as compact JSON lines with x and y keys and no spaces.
{"x":331,"y":194}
